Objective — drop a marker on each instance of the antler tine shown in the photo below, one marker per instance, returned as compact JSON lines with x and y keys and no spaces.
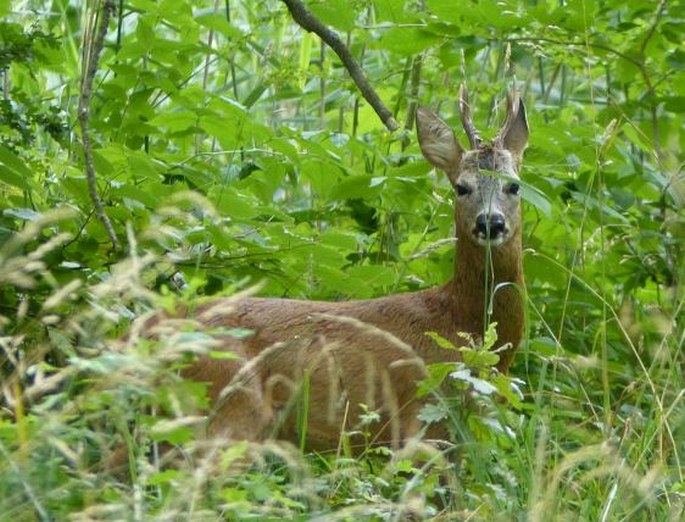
{"x":466,"y":121}
{"x":513,"y":101}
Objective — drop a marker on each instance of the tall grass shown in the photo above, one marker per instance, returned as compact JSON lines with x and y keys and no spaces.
{"x":90,"y":393}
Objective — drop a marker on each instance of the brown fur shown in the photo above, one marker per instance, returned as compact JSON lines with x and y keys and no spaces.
{"x":373,"y":352}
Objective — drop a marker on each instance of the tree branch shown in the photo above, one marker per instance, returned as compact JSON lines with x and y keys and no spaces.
{"x":91,"y":57}
{"x":310,"y":23}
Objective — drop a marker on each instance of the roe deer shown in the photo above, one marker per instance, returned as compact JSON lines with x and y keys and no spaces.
{"x":373,"y":352}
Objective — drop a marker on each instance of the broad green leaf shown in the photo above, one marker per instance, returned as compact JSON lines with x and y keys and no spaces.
{"x":341,"y":239}
{"x":10,"y":177}
{"x":374,"y":275}
{"x":441,"y":341}
{"x":508,"y":388}
{"x":236,"y":205}
{"x":478,"y":358}
{"x":145,"y":33}
{"x":446,"y":10}
{"x":77,"y":188}
{"x":536,"y":197}
{"x":676,"y":59}
{"x":255,"y":94}
{"x":172,"y":432}
{"x":175,"y":121}
{"x":433,"y":413}
{"x":394,"y":11}
{"x":150,"y":198}
{"x":217,"y":21}
{"x":358,"y":187}
{"x":490,"y":337}
{"x":437,"y":373}
{"x":674,"y":103}
{"x":480,"y":385}
{"x":407,"y":40}
{"x":167,"y":476}
{"x":335,"y":13}
{"x":13,"y":170}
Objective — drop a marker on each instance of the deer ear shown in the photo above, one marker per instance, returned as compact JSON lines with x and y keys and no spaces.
{"x":514,"y":134}
{"x":438,"y":143}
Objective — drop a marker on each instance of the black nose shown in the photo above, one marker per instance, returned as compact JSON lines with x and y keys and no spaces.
{"x":490,"y":226}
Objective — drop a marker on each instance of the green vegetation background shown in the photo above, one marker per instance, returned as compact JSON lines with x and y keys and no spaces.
{"x":232,"y":149}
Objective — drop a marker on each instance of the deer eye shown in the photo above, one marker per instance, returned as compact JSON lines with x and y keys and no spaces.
{"x":513,"y":189}
{"x":462,"y":190}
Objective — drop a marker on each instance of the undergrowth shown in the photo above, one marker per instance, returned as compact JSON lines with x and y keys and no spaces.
{"x":533,"y":449}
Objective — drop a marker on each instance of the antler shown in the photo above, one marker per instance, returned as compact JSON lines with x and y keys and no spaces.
{"x":467,"y":123}
{"x":513,"y":104}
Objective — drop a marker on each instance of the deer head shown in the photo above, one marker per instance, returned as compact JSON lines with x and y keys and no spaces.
{"x":485,"y":177}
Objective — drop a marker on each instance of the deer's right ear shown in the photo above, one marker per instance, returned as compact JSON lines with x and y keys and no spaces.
{"x":438,"y":143}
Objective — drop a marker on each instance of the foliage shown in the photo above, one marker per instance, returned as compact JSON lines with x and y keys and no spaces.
{"x":232,"y":150}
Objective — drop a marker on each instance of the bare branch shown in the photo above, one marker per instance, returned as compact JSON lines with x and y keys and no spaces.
{"x":91,"y":56}
{"x":310,"y":23}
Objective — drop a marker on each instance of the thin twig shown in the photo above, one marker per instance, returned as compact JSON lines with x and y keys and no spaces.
{"x":312,"y":24}
{"x":91,"y":56}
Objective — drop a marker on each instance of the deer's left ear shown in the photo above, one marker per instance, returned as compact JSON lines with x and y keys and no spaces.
{"x":514,"y":134}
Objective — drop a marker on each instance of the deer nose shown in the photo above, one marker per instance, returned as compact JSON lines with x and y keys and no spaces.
{"x":490,"y":226}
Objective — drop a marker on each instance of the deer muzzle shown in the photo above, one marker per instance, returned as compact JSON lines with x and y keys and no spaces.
{"x":491,"y":228}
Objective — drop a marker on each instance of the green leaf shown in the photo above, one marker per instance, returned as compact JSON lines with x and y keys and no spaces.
{"x":479,"y":358}
{"x":149,"y":198}
{"x":13,"y":171}
{"x":437,"y":373}
{"x":373,"y":275}
{"x":305,"y":56}
{"x":508,"y":388}
{"x":168,"y":476}
{"x":218,"y":22}
{"x":536,"y":197}
{"x":175,"y":121}
{"x":446,"y":10}
{"x":144,"y":32}
{"x":223,"y":355}
{"x":335,"y":13}
{"x":441,"y":341}
{"x":433,"y":412}
{"x":255,"y":94}
{"x":12,"y":178}
{"x":674,"y":103}
{"x":358,"y":187}
{"x":676,"y":60}
{"x":173,"y":432}
{"x":490,"y":337}
{"x":480,"y":385}
{"x":407,"y":41}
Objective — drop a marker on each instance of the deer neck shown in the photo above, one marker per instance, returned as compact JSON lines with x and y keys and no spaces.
{"x":487,"y":287}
